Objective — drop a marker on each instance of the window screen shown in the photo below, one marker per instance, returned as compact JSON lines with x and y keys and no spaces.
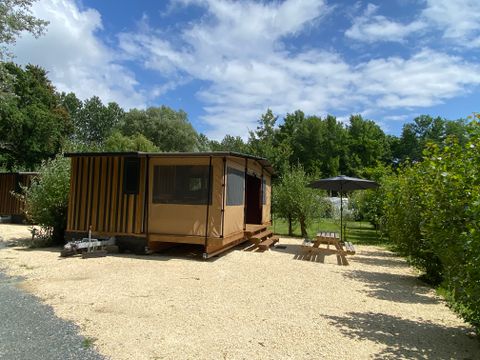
{"x":182,"y":184}
{"x":264,"y":191}
{"x":235,"y":186}
{"x":131,"y":175}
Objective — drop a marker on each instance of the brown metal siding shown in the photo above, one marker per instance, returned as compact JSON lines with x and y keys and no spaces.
{"x":9,"y":204}
{"x":97,"y":199}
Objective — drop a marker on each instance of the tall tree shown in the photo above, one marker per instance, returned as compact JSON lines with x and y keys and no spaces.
{"x":426,"y":129}
{"x":93,"y":121}
{"x":367,"y":144}
{"x":33,"y":124}
{"x":230,"y":143}
{"x":15,"y":18}
{"x":168,"y":129}
{"x":263,"y":142}
{"x":295,"y":201}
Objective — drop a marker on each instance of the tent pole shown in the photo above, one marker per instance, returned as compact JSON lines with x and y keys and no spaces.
{"x":209,"y":197}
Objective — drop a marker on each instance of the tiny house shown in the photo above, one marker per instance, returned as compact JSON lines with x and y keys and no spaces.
{"x":11,"y":205}
{"x":153,"y":199}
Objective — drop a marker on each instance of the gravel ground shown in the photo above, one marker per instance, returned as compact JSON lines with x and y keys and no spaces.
{"x":30,"y":329}
{"x":247,"y":305}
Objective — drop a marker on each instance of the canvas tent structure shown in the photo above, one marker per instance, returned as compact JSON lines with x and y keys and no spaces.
{"x":10,"y":205}
{"x":152,"y":199}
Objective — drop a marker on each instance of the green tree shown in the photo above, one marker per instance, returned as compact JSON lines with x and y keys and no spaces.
{"x":295,"y":201}
{"x":203,"y":143}
{"x":367,"y":144}
{"x":93,"y":121}
{"x":15,"y":18}
{"x":263,"y":142}
{"x":369,"y":205}
{"x":46,"y":200}
{"x":121,"y":143}
{"x":168,"y":129}
{"x":230,"y":143}
{"x":33,"y":124}
{"x":426,"y":130}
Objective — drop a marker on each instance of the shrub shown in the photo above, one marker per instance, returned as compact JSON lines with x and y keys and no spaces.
{"x":402,"y":220}
{"x":432,"y":212}
{"x":46,"y":200}
{"x":295,"y":201}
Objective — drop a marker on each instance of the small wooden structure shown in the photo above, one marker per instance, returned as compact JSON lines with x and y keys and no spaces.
{"x":154,"y":199}
{"x":11,"y":205}
{"x":333,"y":246}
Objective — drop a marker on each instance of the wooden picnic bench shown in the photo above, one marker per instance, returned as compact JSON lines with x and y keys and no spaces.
{"x":333,"y":246}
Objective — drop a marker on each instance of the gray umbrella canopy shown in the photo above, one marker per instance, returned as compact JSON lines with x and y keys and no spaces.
{"x":343,"y":183}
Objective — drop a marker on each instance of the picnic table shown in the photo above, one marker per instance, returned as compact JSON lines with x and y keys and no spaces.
{"x":328,"y":243}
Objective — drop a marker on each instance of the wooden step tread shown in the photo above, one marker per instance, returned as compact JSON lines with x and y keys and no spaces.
{"x":265,"y":244}
{"x":262,"y":235}
{"x":255,"y":229}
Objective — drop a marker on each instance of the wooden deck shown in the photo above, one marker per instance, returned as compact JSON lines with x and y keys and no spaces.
{"x":252,"y":229}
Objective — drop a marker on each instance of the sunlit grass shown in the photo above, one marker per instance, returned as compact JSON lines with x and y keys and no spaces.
{"x":357,"y":232}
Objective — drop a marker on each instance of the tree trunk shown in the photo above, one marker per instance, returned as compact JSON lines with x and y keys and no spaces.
{"x":303,"y":228}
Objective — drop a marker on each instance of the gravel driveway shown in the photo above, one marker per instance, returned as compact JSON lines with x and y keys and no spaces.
{"x":241,"y":305}
{"x":30,"y":329}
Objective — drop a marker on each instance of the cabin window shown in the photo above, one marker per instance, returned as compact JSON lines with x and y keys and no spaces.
{"x":264,"y":191}
{"x":131,"y":175}
{"x":182,"y":184}
{"x":235,"y":186}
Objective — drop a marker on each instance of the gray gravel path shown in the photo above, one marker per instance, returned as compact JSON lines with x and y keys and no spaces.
{"x":30,"y":330}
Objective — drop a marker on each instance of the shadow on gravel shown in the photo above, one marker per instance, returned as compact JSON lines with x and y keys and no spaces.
{"x":390,"y":262}
{"x":393,"y":287}
{"x":408,"y":339}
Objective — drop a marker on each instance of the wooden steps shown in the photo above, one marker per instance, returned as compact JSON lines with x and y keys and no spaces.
{"x":265,"y":244}
{"x":260,"y":237}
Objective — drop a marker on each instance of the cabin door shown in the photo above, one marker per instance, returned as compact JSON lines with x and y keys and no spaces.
{"x":254,"y":200}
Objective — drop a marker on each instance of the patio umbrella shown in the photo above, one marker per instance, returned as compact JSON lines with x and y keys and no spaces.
{"x":343,"y":183}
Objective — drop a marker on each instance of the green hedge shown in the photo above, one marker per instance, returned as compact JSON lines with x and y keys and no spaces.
{"x":432,"y":213}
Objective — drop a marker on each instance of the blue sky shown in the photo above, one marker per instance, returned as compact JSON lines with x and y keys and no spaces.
{"x":226,"y":62}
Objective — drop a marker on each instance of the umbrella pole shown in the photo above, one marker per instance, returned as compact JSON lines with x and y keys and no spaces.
{"x":341,"y":215}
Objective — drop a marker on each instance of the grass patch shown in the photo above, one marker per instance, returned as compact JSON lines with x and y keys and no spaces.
{"x":358,"y":232}
{"x":88,"y":342}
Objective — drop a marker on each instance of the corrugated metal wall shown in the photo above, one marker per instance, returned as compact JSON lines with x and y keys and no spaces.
{"x":97,"y":197}
{"x":9,"y":204}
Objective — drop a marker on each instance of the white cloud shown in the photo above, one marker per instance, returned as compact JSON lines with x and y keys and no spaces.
{"x":372,"y":28}
{"x":75,"y":58}
{"x":238,"y":52}
{"x":427,"y":78}
{"x":246,"y":67}
{"x":457,"y":21}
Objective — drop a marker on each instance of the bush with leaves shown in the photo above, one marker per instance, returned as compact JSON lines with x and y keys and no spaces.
{"x":402,"y":220}
{"x":369,"y":205}
{"x":46,"y":200}
{"x":451,"y":218}
{"x":432,"y":212}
